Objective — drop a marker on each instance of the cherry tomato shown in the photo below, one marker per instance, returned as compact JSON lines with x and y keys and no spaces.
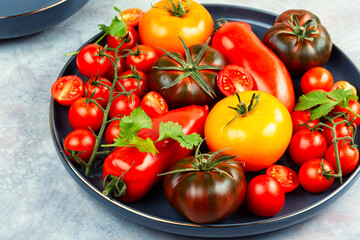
{"x":128,"y":82}
{"x":264,"y":196}
{"x":102,"y":93}
{"x":112,"y":131}
{"x":80,"y":140}
{"x":233,"y":78}
{"x":302,"y":117}
{"x":89,"y":63}
{"x":341,"y":129}
{"x":345,"y":85}
{"x":153,"y":104}
{"x":143,"y":59}
{"x":311,"y":177}
{"x":131,"y":38}
{"x":132,"y":16}
{"x":121,"y":66}
{"x":83,"y":114}
{"x":67,"y":89}
{"x":287,"y":177}
{"x":317,"y":78}
{"x":348,"y":154}
{"x":123,"y":105}
{"x":306,"y":145}
{"x":355,"y":107}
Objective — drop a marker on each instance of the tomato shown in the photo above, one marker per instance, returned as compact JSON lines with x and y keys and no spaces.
{"x":317,"y":78}
{"x":242,"y":47}
{"x":345,"y":85}
{"x":355,"y":107}
{"x":300,"y":40}
{"x":67,"y":89}
{"x":130,"y":39}
{"x":128,"y":82}
{"x":287,"y":177}
{"x":143,"y":58}
{"x":132,"y":16}
{"x":102,"y":93}
{"x":89,"y":63}
{"x":189,"y":80}
{"x":259,"y":138}
{"x":233,"y":79}
{"x":154,"y":104}
{"x":84,"y":114}
{"x":121,"y":66}
{"x":264,"y":196}
{"x":159,"y":28}
{"x":112,"y":131}
{"x":348,"y":155}
{"x":219,"y":190}
{"x":306,"y":145}
{"x":311,"y":177}
{"x":80,"y":142}
{"x":342,"y":129}
{"x":123,"y":105}
{"x":302,"y":117}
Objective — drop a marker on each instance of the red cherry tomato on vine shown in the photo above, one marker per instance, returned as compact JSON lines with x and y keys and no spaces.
{"x":287,"y":177}
{"x":317,"y":78}
{"x":121,"y":66}
{"x":342,"y":130}
{"x":128,"y":81}
{"x":355,"y":107}
{"x":131,"y":38}
{"x":102,"y":93}
{"x":67,"y":89}
{"x":80,"y":140}
{"x":89,"y":63}
{"x":132,"y":16}
{"x":112,"y":131}
{"x":154,"y":104}
{"x":302,"y":117}
{"x":123,"y":105}
{"x":143,"y":59}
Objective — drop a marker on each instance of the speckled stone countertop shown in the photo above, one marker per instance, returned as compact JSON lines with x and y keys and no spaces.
{"x":39,"y":199}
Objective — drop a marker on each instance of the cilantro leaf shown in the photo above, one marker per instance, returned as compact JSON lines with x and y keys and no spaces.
{"x":311,"y":99}
{"x":342,"y":96}
{"x":117,"y":27}
{"x":131,"y":125}
{"x":144,"y":145}
{"x":322,"y":110}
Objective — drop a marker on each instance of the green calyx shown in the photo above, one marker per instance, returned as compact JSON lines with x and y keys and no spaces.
{"x":179,"y":10}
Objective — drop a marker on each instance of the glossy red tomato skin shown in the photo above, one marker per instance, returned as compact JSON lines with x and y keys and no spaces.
{"x":218,"y":194}
{"x":342,"y":130}
{"x":89,"y":63}
{"x":132,"y":16}
{"x":130,"y":83}
{"x":112,"y":131}
{"x":121,"y":66}
{"x":145,"y":60}
{"x":80,"y":140}
{"x":349,"y":157}
{"x":317,"y":78}
{"x":306,"y":145}
{"x":243,"y":48}
{"x":123,"y":105}
{"x":311,"y":178}
{"x":154,"y":104}
{"x":354,"y":106}
{"x":84,"y":115}
{"x":264,"y":196}
{"x":302,"y":117}
{"x":287,"y":177}
{"x":102,"y":93}
{"x":67,"y":89}
{"x":131,"y":39}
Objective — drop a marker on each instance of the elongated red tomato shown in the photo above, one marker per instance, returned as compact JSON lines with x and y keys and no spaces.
{"x":242,"y":47}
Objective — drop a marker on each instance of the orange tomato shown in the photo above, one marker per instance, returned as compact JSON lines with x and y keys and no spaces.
{"x":159,"y":28}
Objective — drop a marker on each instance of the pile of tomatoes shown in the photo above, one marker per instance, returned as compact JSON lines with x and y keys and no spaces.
{"x":228,"y":87}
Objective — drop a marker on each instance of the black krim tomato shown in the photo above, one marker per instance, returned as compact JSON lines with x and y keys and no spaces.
{"x":206,"y":188}
{"x":300,"y":40}
{"x":190,"y":79}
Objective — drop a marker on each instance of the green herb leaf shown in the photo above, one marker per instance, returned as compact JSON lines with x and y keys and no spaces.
{"x":117,"y":27}
{"x":131,"y":125}
{"x":144,"y":145}
{"x":311,"y":100}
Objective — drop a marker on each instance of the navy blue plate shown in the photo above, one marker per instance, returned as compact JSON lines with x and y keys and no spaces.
{"x":19,"y":18}
{"x":154,"y":211}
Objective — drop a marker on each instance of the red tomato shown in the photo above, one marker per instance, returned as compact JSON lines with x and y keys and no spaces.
{"x":132,"y":16}
{"x":287,"y":177}
{"x":311,"y":177}
{"x":302,"y":117}
{"x":123,"y":105}
{"x":102,"y":93}
{"x":233,"y":78}
{"x":154,"y":104}
{"x":317,"y":78}
{"x":265,"y":196}
{"x":143,"y":59}
{"x":345,"y":85}
{"x":348,"y":155}
{"x":129,"y":82}
{"x":121,"y":66}
{"x":112,"y":131}
{"x":67,"y":89}
{"x":80,"y":140}
{"x":355,"y":107}
{"x":306,"y":145}
{"x":89,"y":63}
{"x":83,"y":114}
{"x":342,"y":130}
{"x":131,"y":39}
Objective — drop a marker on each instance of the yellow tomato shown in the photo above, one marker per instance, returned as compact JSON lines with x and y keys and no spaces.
{"x":259,"y":138}
{"x":159,"y":28}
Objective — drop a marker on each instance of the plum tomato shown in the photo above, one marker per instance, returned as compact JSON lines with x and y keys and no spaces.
{"x":80,"y":142}
{"x":89,"y":63}
{"x":287,"y":177}
{"x":129,"y":81}
{"x":302,"y":117}
{"x":264,"y":196}
{"x":67,"y":89}
{"x":101,"y":87}
{"x":342,"y":129}
{"x":317,"y":78}
{"x":129,"y":41}
{"x":123,"y":105}
{"x":132,"y":16}
{"x":121,"y":66}
{"x":153,"y":104}
{"x":143,"y":58}
{"x":112,"y":131}
{"x":233,"y":78}
{"x":311,"y":177}
{"x":345,"y":85}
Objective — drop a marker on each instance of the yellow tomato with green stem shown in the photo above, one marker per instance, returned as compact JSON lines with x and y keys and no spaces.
{"x":167,"y":21}
{"x":252,"y":125}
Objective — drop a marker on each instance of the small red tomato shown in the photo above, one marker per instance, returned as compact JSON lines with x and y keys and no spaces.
{"x":89,"y":63}
{"x":317,"y":78}
{"x":123,"y":105}
{"x":112,"y":131}
{"x":287,"y":177}
{"x":121,"y":66}
{"x":345,"y":85}
{"x":80,"y":140}
{"x":132,"y":16}
{"x":129,"y":81}
{"x":311,"y":177}
{"x":342,"y":130}
{"x":102,"y":93}
{"x":264,"y":196}
{"x":130,"y":39}
{"x":67,"y":89}
{"x":143,"y":58}
{"x":154,"y":104}
{"x":355,"y":107}
{"x":302,"y":117}
{"x":233,"y":78}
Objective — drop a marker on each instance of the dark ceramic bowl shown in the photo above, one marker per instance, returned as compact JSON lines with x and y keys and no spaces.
{"x":23,"y":17}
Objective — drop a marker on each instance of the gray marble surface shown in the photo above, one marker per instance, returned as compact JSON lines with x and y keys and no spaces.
{"x":39,"y":199}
